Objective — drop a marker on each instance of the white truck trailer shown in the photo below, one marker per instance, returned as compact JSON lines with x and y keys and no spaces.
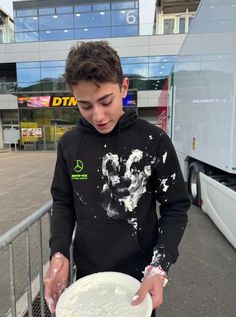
{"x":204,"y":112}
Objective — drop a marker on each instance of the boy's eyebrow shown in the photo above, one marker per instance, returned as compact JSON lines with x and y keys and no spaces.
{"x":99,"y":99}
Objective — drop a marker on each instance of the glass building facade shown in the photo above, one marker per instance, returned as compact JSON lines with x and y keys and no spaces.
{"x":46,"y":108}
{"x":145,"y":73}
{"x":76,"y":21}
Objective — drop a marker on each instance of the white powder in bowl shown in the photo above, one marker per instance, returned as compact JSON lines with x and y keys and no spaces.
{"x":107,"y":294}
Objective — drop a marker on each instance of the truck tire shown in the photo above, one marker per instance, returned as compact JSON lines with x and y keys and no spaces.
{"x":194,"y":182}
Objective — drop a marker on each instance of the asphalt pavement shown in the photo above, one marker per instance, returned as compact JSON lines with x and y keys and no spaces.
{"x":202,"y":283}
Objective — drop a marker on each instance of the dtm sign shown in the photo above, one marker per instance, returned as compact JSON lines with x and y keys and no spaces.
{"x":63,"y":101}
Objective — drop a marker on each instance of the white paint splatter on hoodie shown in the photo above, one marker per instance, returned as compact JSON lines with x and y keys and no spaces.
{"x":134,"y":223}
{"x":132,"y":184}
{"x":164,"y":157}
{"x":163,"y":184}
{"x":138,"y":181}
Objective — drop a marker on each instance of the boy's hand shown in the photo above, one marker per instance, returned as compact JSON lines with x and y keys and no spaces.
{"x":56,"y":280}
{"x":153,"y":285}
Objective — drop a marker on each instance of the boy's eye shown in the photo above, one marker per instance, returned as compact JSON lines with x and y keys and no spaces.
{"x":107,"y":103}
{"x":85,"y":107}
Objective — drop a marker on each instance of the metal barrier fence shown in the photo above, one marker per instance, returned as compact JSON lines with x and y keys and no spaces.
{"x":7,"y":241}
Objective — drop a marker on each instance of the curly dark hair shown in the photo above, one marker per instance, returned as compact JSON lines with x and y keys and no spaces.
{"x":93,"y":61}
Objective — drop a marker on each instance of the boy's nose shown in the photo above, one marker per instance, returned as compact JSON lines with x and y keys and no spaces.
{"x":98,"y":115}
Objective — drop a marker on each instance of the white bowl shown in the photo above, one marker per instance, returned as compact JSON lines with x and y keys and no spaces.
{"x":105,"y":294}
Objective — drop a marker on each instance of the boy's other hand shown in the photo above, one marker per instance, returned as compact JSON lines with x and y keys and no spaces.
{"x":56,"y":280}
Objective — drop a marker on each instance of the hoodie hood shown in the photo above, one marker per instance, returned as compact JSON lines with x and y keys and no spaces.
{"x":126,"y":120}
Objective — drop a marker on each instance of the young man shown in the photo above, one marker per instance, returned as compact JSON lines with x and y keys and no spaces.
{"x":110,"y":172}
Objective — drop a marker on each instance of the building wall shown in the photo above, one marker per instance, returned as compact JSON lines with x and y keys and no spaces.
{"x":58,"y":50}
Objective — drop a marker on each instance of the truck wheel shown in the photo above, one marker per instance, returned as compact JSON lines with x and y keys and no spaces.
{"x":194,"y":182}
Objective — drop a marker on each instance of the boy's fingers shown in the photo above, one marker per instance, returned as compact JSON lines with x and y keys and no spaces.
{"x":140,"y":295}
{"x":50,"y":304}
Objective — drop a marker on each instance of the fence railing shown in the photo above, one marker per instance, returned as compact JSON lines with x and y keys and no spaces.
{"x":7,"y":241}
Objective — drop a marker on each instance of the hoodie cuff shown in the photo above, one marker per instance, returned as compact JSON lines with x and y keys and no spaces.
{"x":61,"y":248}
{"x":162,"y":257}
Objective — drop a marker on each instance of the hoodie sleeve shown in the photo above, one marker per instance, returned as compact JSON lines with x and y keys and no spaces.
{"x":174,"y":201}
{"x":63,"y":215}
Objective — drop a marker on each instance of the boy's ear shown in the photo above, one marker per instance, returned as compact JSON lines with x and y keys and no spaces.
{"x":125,"y":87}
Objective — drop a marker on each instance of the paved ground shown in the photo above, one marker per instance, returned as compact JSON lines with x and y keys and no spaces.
{"x":202,"y":282}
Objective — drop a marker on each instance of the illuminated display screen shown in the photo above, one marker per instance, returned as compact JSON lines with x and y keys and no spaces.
{"x":65,"y":101}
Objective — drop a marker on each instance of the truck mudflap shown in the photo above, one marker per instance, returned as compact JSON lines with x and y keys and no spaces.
{"x":219,"y":202}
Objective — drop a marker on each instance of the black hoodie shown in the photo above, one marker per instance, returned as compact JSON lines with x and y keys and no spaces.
{"x":108,"y":185}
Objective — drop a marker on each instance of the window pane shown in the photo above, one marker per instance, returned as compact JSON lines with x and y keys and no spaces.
{"x":83,"y":8}
{"x":45,"y":11}
{"x":27,"y":37}
{"x":92,"y":33}
{"x":162,"y":59}
{"x":159,"y":69}
{"x":28,"y":65}
{"x":66,"y":9}
{"x":23,"y":86}
{"x":182,"y":25}
{"x":56,"y":22}
{"x":28,"y":75}
{"x":128,"y":60}
{"x":28,"y":12}
{"x":26,"y":24}
{"x":58,"y":35}
{"x":135,"y":70}
{"x":169,"y":26}
{"x":52,"y":72}
{"x":92,"y":19}
{"x":53,"y":64}
{"x":102,"y":6}
{"x":123,"y":5}
{"x":124,"y":31}
{"x":124,"y":17}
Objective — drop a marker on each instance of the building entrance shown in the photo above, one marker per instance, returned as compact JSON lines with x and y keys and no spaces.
{"x":42,"y":138}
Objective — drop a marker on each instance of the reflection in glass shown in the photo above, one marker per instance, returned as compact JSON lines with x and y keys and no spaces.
{"x":52,"y":64}
{"x":159,"y":69}
{"x":128,"y":60}
{"x":45,"y":11}
{"x":123,"y":5}
{"x":26,"y":24}
{"x":101,"y":7}
{"x":83,"y":8}
{"x":92,"y":33}
{"x":26,"y":12}
{"x":50,"y":22}
{"x":124,"y":31}
{"x":27,"y":65}
{"x":52,"y":72}
{"x":124,"y":17}
{"x":27,"y":37}
{"x":92,"y":19}
{"x":28,"y":75}
{"x":58,"y":35}
{"x":138,"y":70}
{"x":65,"y":9}
{"x":162,"y":59}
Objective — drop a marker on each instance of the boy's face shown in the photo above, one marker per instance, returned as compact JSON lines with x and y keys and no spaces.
{"x":101,"y":106}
